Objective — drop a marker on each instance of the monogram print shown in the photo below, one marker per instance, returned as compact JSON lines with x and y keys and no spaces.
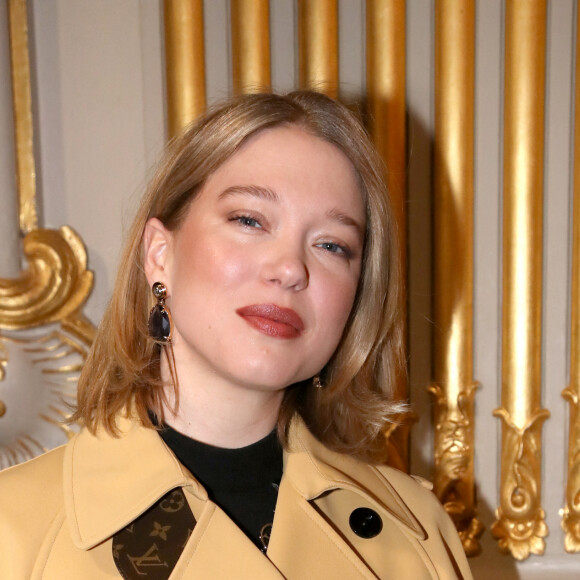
{"x":149,"y":547}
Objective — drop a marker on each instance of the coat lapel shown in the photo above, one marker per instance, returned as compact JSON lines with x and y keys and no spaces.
{"x":308,"y":542}
{"x":221,"y":550}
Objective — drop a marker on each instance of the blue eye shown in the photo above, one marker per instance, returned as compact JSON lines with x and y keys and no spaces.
{"x":246,"y":221}
{"x":334,"y":248}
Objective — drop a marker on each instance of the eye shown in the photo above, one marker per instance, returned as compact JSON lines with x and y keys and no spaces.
{"x":246,"y":221}
{"x":335,"y":248}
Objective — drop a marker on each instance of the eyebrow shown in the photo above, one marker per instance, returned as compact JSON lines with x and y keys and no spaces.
{"x":346,"y":220}
{"x":270,"y":195}
{"x":251,"y":190}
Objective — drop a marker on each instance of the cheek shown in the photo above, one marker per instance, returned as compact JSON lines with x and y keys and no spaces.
{"x":335,"y":303}
{"x":211,"y":266}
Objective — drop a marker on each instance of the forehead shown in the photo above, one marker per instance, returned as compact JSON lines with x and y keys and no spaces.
{"x":289,"y":159}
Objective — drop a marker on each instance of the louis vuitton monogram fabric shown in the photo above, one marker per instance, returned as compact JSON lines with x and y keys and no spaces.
{"x":150,"y":546}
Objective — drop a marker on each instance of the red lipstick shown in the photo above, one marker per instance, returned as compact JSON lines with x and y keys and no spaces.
{"x":272,"y":320}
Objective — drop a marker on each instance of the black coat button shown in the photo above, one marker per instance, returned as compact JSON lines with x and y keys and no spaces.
{"x":365,"y":522}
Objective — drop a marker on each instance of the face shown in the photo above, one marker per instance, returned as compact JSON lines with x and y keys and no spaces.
{"x":263,"y":271}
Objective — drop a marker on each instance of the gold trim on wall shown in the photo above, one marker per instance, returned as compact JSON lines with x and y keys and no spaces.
{"x":454,"y":387}
{"x":318,"y":45}
{"x":250,"y":23}
{"x":385,"y":78}
{"x":184,"y":62}
{"x":49,"y":294}
{"x":520,"y":527}
{"x":23,"y":127}
{"x":55,"y":285}
{"x":571,"y":511}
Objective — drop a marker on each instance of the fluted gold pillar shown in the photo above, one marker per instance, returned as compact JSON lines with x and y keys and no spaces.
{"x":25,"y":165}
{"x":318,"y":45}
{"x":520,"y":526}
{"x":385,"y":78}
{"x":250,"y":22}
{"x":454,"y":387}
{"x":184,"y":62}
{"x":571,"y":512}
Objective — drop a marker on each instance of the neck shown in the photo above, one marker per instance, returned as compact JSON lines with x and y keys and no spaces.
{"x":217,"y":412}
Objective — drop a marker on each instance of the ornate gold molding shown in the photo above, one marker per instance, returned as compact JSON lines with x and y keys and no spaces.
{"x":43,"y":333}
{"x":184,"y":62}
{"x":250,"y":23}
{"x":318,"y":45}
{"x":571,"y":511}
{"x":520,"y":526}
{"x":55,"y":285}
{"x":454,"y":387}
{"x":48,"y":360}
{"x":23,"y":127}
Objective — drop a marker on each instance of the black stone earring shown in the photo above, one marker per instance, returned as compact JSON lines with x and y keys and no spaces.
{"x":160,"y":317}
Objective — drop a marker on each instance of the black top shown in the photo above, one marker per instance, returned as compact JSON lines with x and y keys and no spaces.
{"x":243,"y":482}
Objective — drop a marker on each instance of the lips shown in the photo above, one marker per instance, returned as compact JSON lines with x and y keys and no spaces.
{"x":272,"y":320}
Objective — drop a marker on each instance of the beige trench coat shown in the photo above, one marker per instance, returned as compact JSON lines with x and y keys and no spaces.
{"x":58,"y":514}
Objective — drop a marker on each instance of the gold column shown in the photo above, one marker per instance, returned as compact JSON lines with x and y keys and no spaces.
{"x":571,"y":512}
{"x":250,"y":21}
{"x":318,"y":45}
{"x":184,"y":62}
{"x":520,"y":526}
{"x":385,"y":55}
{"x":454,"y":387}
{"x":25,"y":166}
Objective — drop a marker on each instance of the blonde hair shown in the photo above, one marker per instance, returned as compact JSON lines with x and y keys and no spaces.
{"x":349,"y":414}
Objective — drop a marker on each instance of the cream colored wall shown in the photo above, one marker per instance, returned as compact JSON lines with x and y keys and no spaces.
{"x":100,"y":126}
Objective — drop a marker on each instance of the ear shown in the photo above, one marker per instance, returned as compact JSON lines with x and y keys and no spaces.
{"x":157,"y":244}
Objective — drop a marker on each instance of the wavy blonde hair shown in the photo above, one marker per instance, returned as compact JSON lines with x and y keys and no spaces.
{"x":349,"y":414}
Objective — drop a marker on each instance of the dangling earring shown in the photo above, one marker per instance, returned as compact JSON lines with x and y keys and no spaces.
{"x":316,"y":382}
{"x":159,"y":325}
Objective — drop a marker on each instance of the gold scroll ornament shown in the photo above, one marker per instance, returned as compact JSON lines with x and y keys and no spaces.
{"x":520,"y":527}
{"x":571,"y":511}
{"x":41,"y":318}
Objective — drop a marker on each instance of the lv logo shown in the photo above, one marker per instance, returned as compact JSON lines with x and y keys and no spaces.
{"x":149,"y":558}
{"x":168,"y":523}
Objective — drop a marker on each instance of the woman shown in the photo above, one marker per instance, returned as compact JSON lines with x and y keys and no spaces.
{"x":237,"y":432}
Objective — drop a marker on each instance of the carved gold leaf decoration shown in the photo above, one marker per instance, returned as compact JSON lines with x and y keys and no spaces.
{"x":571,"y":512}
{"x":520,"y":527}
{"x":55,"y":284}
{"x":454,"y":463}
{"x":44,"y":340}
{"x":38,"y":390}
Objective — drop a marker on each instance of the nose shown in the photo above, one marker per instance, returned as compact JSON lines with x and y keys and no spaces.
{"x":287,"y":269}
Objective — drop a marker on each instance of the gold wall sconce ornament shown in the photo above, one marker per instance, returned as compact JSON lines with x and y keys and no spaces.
{"x":44,"y":335}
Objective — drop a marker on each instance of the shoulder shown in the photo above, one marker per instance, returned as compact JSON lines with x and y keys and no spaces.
{"x":417,"y":493}
{"x":39,"y":477}
{"x":31,"y":497}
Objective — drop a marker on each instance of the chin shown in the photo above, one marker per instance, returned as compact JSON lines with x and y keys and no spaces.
{"x":268,"y":379}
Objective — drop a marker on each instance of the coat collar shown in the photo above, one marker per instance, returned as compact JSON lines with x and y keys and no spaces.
{"x":313,"y":470}
{"x":109,"y":481}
